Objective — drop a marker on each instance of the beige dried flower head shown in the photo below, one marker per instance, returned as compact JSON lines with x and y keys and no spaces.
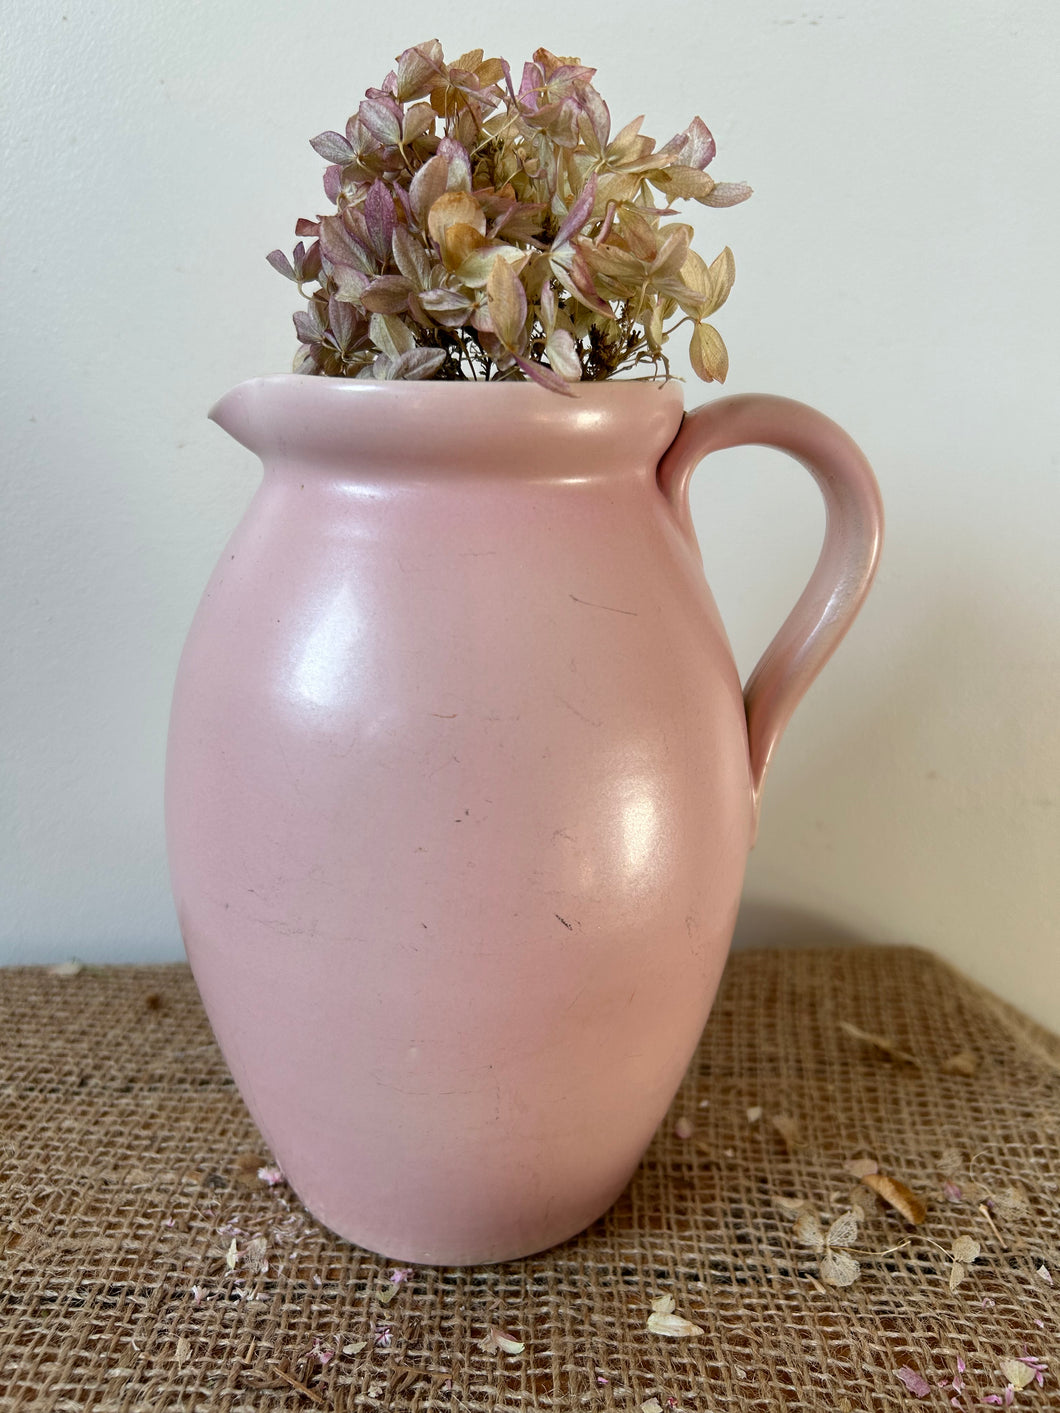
{"x":837,"y":1266}
{"x":489,"y":230}
{"x":965,"y":1250}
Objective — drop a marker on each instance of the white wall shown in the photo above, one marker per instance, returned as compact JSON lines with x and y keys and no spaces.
{"x":896,"y":268}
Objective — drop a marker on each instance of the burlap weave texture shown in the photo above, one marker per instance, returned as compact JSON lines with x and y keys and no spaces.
{"x":146,"y":1265}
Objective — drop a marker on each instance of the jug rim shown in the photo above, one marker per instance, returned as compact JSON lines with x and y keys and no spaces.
{"x":403,"y":421}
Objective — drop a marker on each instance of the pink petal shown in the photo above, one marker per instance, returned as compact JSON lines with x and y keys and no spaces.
{"x":914,"y":1382}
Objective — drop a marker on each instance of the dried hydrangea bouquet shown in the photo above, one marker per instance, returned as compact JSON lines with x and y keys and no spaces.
{"x":461,"y":779}
{"x":485,"y":230}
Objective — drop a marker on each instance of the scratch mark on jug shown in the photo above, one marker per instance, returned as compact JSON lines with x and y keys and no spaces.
{"x":564,"y":921}
{"x":629,"y":612}
{"x":431,"y":774}
{"x":591,"y":720}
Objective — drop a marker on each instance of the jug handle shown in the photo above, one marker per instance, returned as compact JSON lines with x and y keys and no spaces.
{"x":843,"y":573}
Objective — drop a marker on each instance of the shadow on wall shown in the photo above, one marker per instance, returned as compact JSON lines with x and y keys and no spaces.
{"x":779,"y":925}
{"x":928,"y":811}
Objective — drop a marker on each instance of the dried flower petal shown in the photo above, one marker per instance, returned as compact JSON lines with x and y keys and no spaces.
{"x":728,"y":194}
{"x":66,"y":969}
{"x":672,"y":1326}
{"x":879,"y":1042}
{"x":897,"y":1195}
{"x":501,"y":1340}
{"x":507,"y":304}
{"x":271,"y":1176}
{"x":684,"y":1128}
{"x":1011,"y":1201}
{"x":965,"y":1248}
{"x":843,"y":1231}
{"x":861,"y":1167}
{"x":709,"y":359}
{"x":807,"y":1231}
{"x":254,"y":1257}
{"x":788,"y":1129}
{"x":1017,"y":1372}
{"x":1044,"y":1274}
{"x":425,"y":173}
{"x":917,"y":1385}
{"x":838,"y":1268}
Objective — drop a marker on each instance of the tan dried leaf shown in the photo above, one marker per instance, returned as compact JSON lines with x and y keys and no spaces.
{"x":391,"y":335}
{"x":754,"y":1113}
{"x":838,"y":1268}
{"x":1043,"y":1273}
{"x":355,"y":1347}
{"x":684,"y":1128}
{"x":1016,"y":1373}
{"x":652,"y":1406}
{"x":686,"y":183}
{"x":232,"y":1255}
{"x":695,"y":274}
{"x":507,"y":304}
{"x":964,"y":1062}
{"x":784,"y":1124}
{"x":861,"y":1167}
{"x":183,"y":1353}
{"x":710,"y":359}
{"x":461,"y":242}
{"x":476,"y":269}
{"x":664,"y":1305}
{"x":640,"y":239}
{"x":722,"y":274}
{"x":880,"y":1042}
{"x":563,"y":359}
{"x":966,"y":1249}
{"x":897,"y":1195}
{"x":958,"y":1271}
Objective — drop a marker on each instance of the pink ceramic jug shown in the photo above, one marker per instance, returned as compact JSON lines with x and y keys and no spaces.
{"x":461,"y":784}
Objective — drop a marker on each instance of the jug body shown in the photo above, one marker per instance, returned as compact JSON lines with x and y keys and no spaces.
{"x":458,"y":802}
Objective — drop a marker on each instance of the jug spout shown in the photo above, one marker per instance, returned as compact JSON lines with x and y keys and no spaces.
{"x":239,"y":414}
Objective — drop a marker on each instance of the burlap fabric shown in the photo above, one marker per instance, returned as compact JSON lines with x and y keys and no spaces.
{"x":148,"y":1266}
